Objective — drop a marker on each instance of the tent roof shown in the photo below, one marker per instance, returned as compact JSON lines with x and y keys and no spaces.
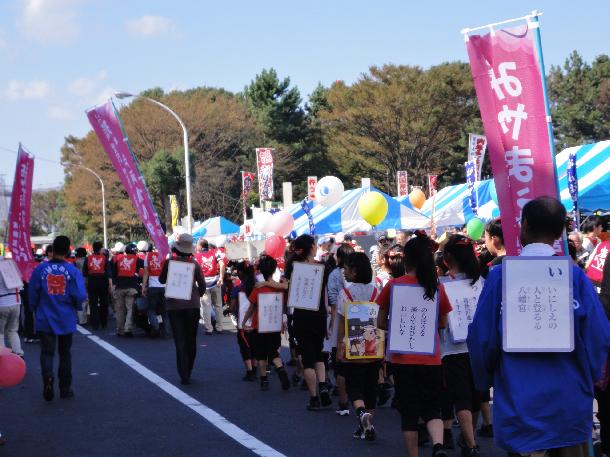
{"x":215,"y":226}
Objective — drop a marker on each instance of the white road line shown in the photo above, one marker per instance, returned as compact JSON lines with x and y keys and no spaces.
{"x":218,"y":421}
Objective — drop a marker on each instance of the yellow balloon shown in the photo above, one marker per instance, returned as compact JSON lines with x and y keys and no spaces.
{"x":417,"y":198}
{"x":373,"y":208}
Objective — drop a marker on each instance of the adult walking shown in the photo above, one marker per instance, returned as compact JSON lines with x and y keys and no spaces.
{"x":184,"y":314}
{"x":56,"y":292}
{"x":213,"y":266}
{"x":99,"y":284}
{"x":125,"y":268}
{"x":10,"y":309}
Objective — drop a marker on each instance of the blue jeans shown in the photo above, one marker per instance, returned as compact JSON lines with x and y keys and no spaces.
{"x":47,"y":352}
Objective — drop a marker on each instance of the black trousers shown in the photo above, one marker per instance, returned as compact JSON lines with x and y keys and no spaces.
{"x":98,"y":304}
{"x":603,"y":414}
{"x":184,"y":324}
{"x":47,"y":352}
{"x":28,"y":315}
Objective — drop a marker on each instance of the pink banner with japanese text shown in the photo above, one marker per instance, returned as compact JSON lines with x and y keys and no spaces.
{"x":18,"y":236}
{"x":509,"y":89}
{"x":402,"y":182}
{"x":264,"y":164}
{"x":105,"y":122}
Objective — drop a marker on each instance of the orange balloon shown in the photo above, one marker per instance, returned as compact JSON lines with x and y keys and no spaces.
{"x":417,"y":198}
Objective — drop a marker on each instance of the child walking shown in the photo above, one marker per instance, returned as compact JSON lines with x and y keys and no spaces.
{"x":266,"y":345}
{"x":361,"y":375}
{"x":239,"y":295}
{"x":418,"y":378}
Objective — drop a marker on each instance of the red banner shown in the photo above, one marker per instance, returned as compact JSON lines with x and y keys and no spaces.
{"x":477,"y":145}
{"x":105,"y":121}
{"x":18,"y":237}
{"x":509,"y":89}
{"x":402,"y":182}
{"x":595,"y":269}
{"x":264,"y":163}
{"x":432,"y":185}
{"x":247,"y":183}
{"x":312,"y":181}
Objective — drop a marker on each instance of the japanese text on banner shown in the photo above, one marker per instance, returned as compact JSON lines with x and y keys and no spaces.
{"x":264,"y":162}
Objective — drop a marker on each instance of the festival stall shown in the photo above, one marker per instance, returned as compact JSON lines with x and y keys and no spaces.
{"x":452,"y":203}
{"x":344,"y":216}
{"x":215,"y":227}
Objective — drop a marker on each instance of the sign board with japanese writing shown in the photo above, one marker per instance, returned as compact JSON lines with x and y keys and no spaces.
{"x":402,"y":182}
{"x":312,"y":181}
{"x":537,"y":304}
{"x":244,"y":304}
{"x":413,"y":321}
{"x":180,"y":277}
{"x":463,"y":298}
{"x":363,"y":340}
{"x":270,"y":310}
{"x":10,"y":274}
{"x":240,"y":250}
{"x":306,"y":286}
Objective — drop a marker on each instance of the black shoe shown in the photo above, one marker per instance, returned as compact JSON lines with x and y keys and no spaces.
{"x":66,"y":393}
{"x":366,"y":422}
{"x":264,"y":383}
{"x":383,"y":394}
{"x":283,"y":378}
{"x":470,"y":452}
{"x":325,"y":399}
{"x":209,"y":333}
{"x":342,"y":410}
{"x":47,"y":391}
{"x":314,"y":404}
{"x":358,"y":433}
{"x":486,"y":431}
{"x":448,"y":442}
{"x":155,"y":333}
{"x":128,"y":335}
{"x":438,"y":451}
{"x":185,"y":381}
{"x":295,"y":379}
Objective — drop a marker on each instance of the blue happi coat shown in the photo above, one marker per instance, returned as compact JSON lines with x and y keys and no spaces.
{"x":56,"y":292}
{"x":541,"y":400}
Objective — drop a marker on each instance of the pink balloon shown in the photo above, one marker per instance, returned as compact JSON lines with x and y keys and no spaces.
{"x":5,"y":351}
{"x":12,"y":370}
{"x":281,"y":223}
{"x":275,"y":246}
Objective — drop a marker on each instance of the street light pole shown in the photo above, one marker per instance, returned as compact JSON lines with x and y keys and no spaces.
{"x":103,"y":201}
{"x":187,"y":164}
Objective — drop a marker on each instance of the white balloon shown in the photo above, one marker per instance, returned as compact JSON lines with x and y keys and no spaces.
{"x":329,"y":190}
{"x":281,"y":223}
{"x":262,"y":220}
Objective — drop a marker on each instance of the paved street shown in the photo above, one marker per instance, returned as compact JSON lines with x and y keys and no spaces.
{"x":117,"y":411}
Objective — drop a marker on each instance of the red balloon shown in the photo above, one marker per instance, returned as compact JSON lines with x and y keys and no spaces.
{"x":275,"y":246}
{"x":12,"y":370}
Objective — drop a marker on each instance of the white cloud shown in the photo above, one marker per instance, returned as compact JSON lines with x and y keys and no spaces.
{"x":87,"y":85}
{"x":147,"y":26}
{"x":49,"y":21}
{"x":104,"y":95}
{"x":60,"y":113}
{"x":27,"y":90}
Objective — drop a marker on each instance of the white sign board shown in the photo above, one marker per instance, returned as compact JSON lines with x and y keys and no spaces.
{"x":306,"y":286}
{"x":240,"y":249}
{"x":463,"y":298}
{"x":10,"y":274}
{"x":413,"y":321}
{"x":270,"y":310}
{"x":243,"y":304}
{"x":180,"y":277}
{"x":537,"y":304}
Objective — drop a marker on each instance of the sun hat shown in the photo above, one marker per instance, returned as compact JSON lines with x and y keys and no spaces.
{"x":184,"y":243}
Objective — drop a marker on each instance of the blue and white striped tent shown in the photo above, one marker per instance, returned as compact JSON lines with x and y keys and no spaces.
{"x":593,"y":170}
{"x":344,"y":216}
{"x":213,"y":227}
{"x":296,"y":210}
{"x":452,"y":205}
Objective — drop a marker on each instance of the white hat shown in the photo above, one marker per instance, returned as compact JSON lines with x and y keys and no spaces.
{"x":119,"y":247}
{"x":142,"y":246}
{"x":39,"y":251}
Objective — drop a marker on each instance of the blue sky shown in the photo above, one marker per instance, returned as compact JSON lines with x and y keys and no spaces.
{"x":59,"y":57}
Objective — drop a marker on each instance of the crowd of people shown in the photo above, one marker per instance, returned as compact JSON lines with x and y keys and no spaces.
{"x":542,"y":402}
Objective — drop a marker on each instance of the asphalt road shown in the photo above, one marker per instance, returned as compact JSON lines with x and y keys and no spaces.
{"x":117,"y":411}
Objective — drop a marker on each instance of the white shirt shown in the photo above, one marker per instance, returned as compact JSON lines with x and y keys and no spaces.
{"x":537,"y":250}
{"x":153,"y":281}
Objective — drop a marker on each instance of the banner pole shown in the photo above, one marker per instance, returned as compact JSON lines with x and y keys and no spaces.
{"x":533,"y":23}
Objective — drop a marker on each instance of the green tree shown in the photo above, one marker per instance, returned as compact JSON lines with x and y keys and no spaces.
{"x":400,"y":117}
{"x":47,"y":212}
{"x":580,"y":100}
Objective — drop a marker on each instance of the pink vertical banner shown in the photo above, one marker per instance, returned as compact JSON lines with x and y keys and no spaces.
{"x":264,"y":163}
{"x":402,"y":182}
{"x":18,"y":237}
{"x":509,"y":89}
{"x":432,"y":179}
{"x":105,"y":122}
